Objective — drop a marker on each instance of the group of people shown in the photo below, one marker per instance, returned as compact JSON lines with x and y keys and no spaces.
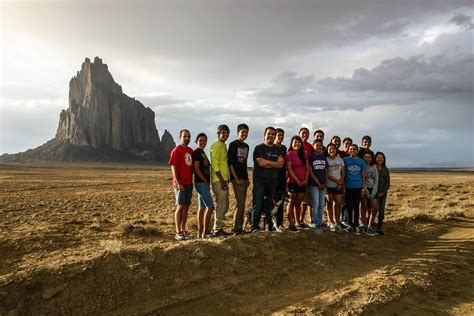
{"x":348,"y":185}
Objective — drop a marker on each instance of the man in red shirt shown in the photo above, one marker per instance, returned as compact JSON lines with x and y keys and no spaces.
{"x":181,"y":162}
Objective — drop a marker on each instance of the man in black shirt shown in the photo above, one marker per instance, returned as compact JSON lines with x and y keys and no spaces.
{"x":237,"y":158}
{"x":267,"y":159}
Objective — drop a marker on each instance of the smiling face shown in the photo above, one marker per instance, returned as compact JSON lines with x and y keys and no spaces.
{"x":318,"y":147}
{"x":185,"y":138}
{"x":332,"y":151}
{"x":304,"y":134}
{"x":243,"y":134}
{"x":223,"y":135}
{"x":269,"y":137}
{"x":366,"y":143}
{"x":368,"y":159}
{"x":279,"y":137}
{"x":319,"y":136}
{"x":347,"y":145}
{"x":202,"y":142}
{"x":336,"y":141}
{"x":379,"y":160}
{"x":296,"y":144}
{"x":353,"y":151}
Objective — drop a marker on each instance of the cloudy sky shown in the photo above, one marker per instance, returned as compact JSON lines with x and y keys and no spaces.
{"x":400,"y":71}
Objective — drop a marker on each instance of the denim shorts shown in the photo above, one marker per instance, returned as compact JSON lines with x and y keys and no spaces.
{"x":184,"y":197}
{"x":204,"y":195}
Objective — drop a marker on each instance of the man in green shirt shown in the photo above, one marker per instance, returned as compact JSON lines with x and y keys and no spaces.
{"x":220,"y":178}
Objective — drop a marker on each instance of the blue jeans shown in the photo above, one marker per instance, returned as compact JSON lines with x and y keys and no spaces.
{"x":318,"y":198}
{"x":204,"y":195}
{"x":381,"y":201}
{"x":262,"y":189}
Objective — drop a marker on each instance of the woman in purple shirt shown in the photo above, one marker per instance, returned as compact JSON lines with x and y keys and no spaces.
{"x":296,"y":178}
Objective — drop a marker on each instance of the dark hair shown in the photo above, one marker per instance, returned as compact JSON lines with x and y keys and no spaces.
{"x":371,"y":153}
{"x":241,"y":127}
{"x":318,"y":141}
{"x":267,"y":128}
{"x":301,"y":150}
{"x":303,"y":128}
{"x":318,"y":131}
{"x":335,"y":137}
{"x":347,"y":139}
{"x":200,"y":135}
{"x":367,"y":137}
{"x":280,"y":130}
{"x":183,"y":131}
{"x":222,"y":128}
{"x":354,"y":145}
{"x":330,"y":144}
{"x":383,"y":155}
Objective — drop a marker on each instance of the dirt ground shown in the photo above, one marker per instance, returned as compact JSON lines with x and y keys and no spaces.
{"x":98,"y":239}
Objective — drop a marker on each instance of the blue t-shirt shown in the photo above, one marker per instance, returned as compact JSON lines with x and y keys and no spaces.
{"x":354,"y":169}
{"x":317,"y":165}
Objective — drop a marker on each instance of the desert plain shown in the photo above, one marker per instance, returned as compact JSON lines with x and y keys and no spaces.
{"x":90,"y":239}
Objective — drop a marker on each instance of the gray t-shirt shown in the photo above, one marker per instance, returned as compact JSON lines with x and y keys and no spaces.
{"x":335,"y":166}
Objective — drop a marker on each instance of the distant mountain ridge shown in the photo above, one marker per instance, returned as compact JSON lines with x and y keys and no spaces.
{"x":101,"y":124}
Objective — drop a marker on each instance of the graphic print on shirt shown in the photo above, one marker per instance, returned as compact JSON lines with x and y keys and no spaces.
{"x":319,"y":164}
{"x":188,"y":159}
{"x":242,"y":154}
{"x":354,"y":169}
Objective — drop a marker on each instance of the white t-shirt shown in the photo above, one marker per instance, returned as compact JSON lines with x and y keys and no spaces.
{"x":335,"y":166}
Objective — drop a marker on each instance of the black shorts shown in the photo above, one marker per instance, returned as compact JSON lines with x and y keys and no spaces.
{"x":294,"y":188}
{"x":334,"y":191}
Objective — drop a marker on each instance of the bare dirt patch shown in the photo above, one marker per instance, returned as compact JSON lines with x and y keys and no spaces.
{"x":99,"y":240}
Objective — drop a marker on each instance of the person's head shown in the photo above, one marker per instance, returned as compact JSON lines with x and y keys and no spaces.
{"x":319,"y":134}
{"x":280,"y":135}
{"x":242,"y":132}
{"x":380,"y":158}
{"x":223,"y":132}
{"x":347,"y":142}
{"x":369,"y":158}
{"x":332,"y":150}
{"x":366,"y":141}
{"x":201,"y":140}
{"x":353,"y":150}
{"x":336,"y":140}
{"x":304,"y":134}
{"x":269,"y":135}
{"x":318,"y":146}
{"x":185,"y":137}
{"x":296,"y":145}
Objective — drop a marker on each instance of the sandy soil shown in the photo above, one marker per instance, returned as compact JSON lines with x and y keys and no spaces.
{"x":99,"y":240}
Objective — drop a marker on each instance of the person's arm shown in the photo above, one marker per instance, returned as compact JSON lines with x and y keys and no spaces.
{"x":364,"y":177}
{"x":325,"y":184}
{"x":343,"y":175}
{"x":306,"y":176}
{"x":264,"y":163}
{"x":231,"y":158}
{"x":198,"y":172}
{"x":215,"y":156}
{"x":174,"y":171}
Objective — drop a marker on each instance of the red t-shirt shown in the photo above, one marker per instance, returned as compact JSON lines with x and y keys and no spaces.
{"x":308,"y":147}
{"x":182,"y":158}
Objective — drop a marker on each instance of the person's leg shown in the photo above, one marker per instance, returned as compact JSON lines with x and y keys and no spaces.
{"x":363,"y":210}
{"x":279,"y":214}
{"x":292,"y":213}
{"x":337,"y":208}
{"x":314,"y":191}
{"x":184,"y":217}
{"x":381,"y":207}
{"x":270,"y":190}
{"x":356,"y":201}
{"x":321,"y":204}
{"x":373,"y":211}
{"x":350,"y":207}
{"x":220,"y":205}
{"x":258,"y":195}
{"x":240,"y":197}
{"x":330,"y":208}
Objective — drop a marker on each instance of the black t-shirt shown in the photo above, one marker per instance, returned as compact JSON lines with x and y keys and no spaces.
{"x":237,"y":156}
{"x":363,"y":151}
{"x":268,"y":153}
{"x":200,"y":155}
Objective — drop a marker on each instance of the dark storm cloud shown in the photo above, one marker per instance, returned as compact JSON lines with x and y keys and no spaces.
{"x":464,"y":21}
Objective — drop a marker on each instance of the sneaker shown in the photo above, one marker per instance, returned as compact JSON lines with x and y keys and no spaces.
{"x":304,"y":226}
{"x":345,"y":225}
{"x":255,"y":231}
{"x":293,"y":228}
{"x":187,"y":235}
{"x":369,"y":232}
{"x":179,"y":236}
{"x":357,"y":231}
{"x":280,"y":229}
{"x":332,"y":227}
{"x":380,"y":232}
{"x":239,"y":231}
{"x":220,"y":233}
{"x":210,"y":235}
{"x":312,"y":225}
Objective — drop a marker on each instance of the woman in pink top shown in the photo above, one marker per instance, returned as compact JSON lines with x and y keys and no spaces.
{"x":296,"y":177}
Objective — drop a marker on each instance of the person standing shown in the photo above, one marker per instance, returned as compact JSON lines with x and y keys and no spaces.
{"x":318,"y":179}
{"x":181,"y":162}
{"x":355,"y":185}
{"x":281,"y":180}
{"x":220,"y":178}
{"x":336,"y":173}
{"x":202,"y":179}
{"x":384,"y":185}
{"x":304,"y":135}
{"x":267,"y":159}
{"x":237,"y":158}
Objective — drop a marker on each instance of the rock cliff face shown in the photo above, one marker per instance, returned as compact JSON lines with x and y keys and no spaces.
{"x":102,"y":123}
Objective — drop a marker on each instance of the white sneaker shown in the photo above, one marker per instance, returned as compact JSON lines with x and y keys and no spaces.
{"x":357,"y":231}
{"x":280,"y":229}
{"x":332,"y":227}
{"x":312,"y":225}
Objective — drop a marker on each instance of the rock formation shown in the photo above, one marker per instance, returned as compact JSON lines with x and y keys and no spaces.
{"x":102,"y":123}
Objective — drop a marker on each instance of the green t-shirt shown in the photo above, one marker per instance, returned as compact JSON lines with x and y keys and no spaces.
{"x":219,"y":161}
